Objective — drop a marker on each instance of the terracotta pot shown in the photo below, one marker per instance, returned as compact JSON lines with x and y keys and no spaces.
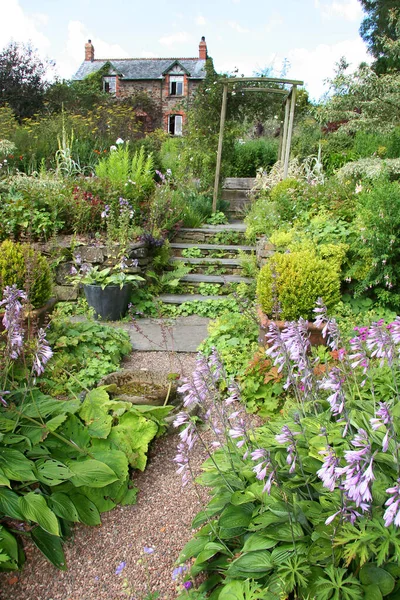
{"x":315,"y":333}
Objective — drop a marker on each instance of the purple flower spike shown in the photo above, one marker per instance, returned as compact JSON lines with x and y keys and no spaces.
{"x":43,"y":353}
{"x":12,"y":319}
{"x":392,"y":513}
{"x":358,"y":471}
{"x":327,"y":473}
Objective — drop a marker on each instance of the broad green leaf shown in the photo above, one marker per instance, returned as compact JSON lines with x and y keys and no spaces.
{"x":87,"y":511}
{"x":94,"y":412}
{"x":129,"y":497}
{"x":115,"y":459}
{"x":234,"y":590}
{"x":16,"y":466}
{"x":52,"y":472}
{"x":320,"y":551}
{"x":9,"y":505}
{"x":50,"y":546}
{"x":62,"y":505}
{"x":236,"y":516}
{"x":55,"y":423}
{"x":9,"y":546}
{"x":4,"y":480}
{"x":258,"y":541}
{"x":238,"y":498}
{"x":372,"y":592}
{"x":34,"y":508}
{"x":132,"y":436}
{"x":209,"y":551}
{"x":283,"y":533}
{"x":370,"y":574}
{"x":102,"y":498}
{"x":193,"y":548}
{"x":92,"y":473}
{"x":250,"y":563}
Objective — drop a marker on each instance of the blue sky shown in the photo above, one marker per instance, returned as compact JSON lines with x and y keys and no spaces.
{"x":245,"y":34}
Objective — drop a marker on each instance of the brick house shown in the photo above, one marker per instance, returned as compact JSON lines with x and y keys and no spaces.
{"x":170,"y":82}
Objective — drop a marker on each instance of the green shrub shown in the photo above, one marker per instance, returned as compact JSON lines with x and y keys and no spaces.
{"x":252,"y":155}
{"x":20,"y":264}
{"x":296,"y":280}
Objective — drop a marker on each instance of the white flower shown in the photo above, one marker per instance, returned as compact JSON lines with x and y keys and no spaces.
{"x":119,"y":141}
{"x":113,"y":148}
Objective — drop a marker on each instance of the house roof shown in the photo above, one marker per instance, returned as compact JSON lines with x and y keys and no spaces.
{"x":143,"y":68}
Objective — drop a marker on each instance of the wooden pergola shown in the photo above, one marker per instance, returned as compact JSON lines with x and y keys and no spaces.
{"x":289,"y":102}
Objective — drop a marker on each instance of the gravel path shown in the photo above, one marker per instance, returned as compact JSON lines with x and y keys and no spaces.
{"x":161,"y":520}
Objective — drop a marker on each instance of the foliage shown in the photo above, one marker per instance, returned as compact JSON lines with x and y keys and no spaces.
{"x":307,"y":505}
{"x":204,"y":308}
{"x":84,"y":352}
{"x":379,"y":25}
{"x":289,"y":284}
{"x":107,"y":276}
{"x":369,"y":169}
{"x":21,"y":265}
{"x":22,"y":80}
{"x":218,"y":218}
{"x":251,"y":155}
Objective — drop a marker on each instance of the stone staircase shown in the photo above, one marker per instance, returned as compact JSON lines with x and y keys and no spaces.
{"x":215,"y":265}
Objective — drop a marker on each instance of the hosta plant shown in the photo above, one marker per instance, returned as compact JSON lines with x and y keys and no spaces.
{"x":308,"y":505}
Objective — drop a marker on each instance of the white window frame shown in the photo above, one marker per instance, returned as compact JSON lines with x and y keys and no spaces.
{"x":176,"y":85}
{"x":177,"y":121}
{"x":110,"y":82}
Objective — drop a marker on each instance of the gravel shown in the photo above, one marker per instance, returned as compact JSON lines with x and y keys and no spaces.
{"x":161,"y":519}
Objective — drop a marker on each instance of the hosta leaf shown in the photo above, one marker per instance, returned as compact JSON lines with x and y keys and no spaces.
{"x":258,"y":562}
{"x":372,"y":592}
{"x":4,"y":480}
{"x":52,"y":472}
{"x":284,"y":533}
{"x":132,"y":437}
{"x":210,"y":550}
{"x":34,"y":508}
{"x":62,"y":505}
{"x":129,"y":497}
{"x":258,"y":541}
{"x":50,"y":546}
{"x":92,"y":473}
{"x":94,"y":412}
{"x":9,"y":505}
{"x":370,"y":574}
{"x":236,"y":516}
{"x":238,"y":498}
{"x":16,"y":466}
{"x":9,"y":546}
{"x":87,"y":511}
{"x":193,"y":548}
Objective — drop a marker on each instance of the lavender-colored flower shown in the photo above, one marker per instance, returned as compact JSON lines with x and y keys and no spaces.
{"x":187,"y":585}
{"x":239,"y":431}
{"x":43,"y":353}
{"x":287,"y":437}
{"x":196,"y":388}
{"x":12,"y":319}
{"x":327,"y":473}
{"x":330,"y":329}
{"x":120,"y":568}
{"x":148,"y":550}
{"x":359,"y":357}
{"x":104,"y":214}
{"x":233,"y":393}
{"x":358,"y":471}
{"x":178,"y":572}
{"x":334,"y":382}
{"x":215,"y":365}
{"x":383,"y":418}
{"x":264,"y":468}
{"x":392,"y":513}
{"x":2,"y":400}
{"x":379,"y":342}
{"x":347,"y":513}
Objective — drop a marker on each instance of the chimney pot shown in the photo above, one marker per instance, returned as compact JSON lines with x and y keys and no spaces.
{"x":89,"y":51}
{"x":203,"y":49}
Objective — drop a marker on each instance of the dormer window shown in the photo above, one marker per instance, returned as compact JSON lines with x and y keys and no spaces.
{"x":110,"y":85}
{"x":176,"y":85}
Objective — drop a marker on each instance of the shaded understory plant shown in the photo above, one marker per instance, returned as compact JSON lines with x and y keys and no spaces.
{"x":308,"y":505}
{"x":62,"y":459}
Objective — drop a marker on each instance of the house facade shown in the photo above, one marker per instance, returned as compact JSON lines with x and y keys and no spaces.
{"x":170,"y":82}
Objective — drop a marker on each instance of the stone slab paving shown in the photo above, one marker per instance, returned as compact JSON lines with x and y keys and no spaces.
{"x":183,"y":334}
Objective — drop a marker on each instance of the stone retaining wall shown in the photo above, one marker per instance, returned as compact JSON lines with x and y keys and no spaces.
{"x":68,"y":253}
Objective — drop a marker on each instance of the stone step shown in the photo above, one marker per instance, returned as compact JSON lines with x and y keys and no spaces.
{"x":217,"y":247}
{"x":200,"y":278}
{"x":205,"y":260}
{"x":181,"y":298}
{"x":239,"y":227}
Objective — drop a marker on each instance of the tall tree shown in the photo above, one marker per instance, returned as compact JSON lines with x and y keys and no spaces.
{"x":22,"y":80}
{"x":380,"y":30}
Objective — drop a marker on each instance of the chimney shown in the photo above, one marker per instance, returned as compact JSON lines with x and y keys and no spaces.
{"x":203,"y":49}
{"x":89,"y":51}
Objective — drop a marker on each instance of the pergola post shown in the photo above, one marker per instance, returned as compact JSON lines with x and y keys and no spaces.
{"x":289,"y":132}
{"x":219,"y":152}
{"x":281,"y":155}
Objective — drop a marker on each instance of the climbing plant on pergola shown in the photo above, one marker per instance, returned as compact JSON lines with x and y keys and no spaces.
{"x":288,"y":103}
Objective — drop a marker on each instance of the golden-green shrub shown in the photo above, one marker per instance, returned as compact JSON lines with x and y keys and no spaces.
{"x":296,"y":280}
{"x":20,"y":264}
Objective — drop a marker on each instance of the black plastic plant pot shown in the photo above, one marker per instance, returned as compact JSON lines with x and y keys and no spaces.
{"x":110,"y":303}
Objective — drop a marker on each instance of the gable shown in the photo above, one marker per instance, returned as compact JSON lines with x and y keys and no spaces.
{"x":146,"y":68}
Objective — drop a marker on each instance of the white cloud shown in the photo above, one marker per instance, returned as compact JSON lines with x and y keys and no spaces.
{"x":237,"y":27}
{"x":200,"y":20}
{"x":145,"y":54}
{"x":275,"y":21}
{"x":176,"y":38}
{"x":74,"y":52}
{"x":17,"y":26}
{"x":349,"y":10}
